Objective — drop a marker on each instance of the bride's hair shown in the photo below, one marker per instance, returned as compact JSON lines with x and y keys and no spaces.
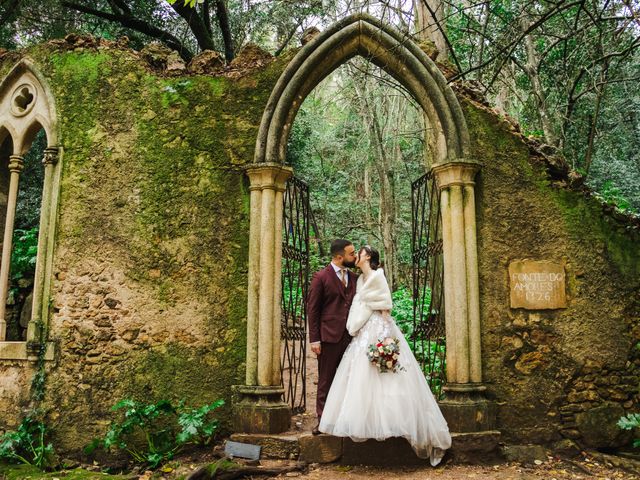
{"x":374,"y":261}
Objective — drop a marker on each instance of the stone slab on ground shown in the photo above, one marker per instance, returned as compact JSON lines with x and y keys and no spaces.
{"x":466,"y":448}
{"x":567,"y":448}
{"x":273,"y":446}
{"x":320,"y":448}
{"x":524,"y":453}
{"x":475,"y":447}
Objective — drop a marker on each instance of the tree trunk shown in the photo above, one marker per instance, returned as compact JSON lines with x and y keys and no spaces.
{"x":387,"y":198}
{"x":531,"y":68}
{"x":504,"y":97}
{"x":593,"y":126}
{"x":367,"y":202}
{"x":430,"y":25}
{"x":423,"y":34}
{"x":223,"y":20}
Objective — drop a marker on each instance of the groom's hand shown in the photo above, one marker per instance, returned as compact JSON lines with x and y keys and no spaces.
{"x":316,"y":348}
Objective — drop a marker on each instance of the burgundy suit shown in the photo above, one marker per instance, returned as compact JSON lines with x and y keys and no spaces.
{"x":328,"y":305}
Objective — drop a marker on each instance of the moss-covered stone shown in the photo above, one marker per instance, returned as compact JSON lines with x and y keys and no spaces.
{"x":21,"y":472}
{"x":149,"y":299}
{"x":534,"y":362}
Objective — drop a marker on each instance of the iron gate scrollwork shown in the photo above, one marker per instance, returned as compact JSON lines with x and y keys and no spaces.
{"x":295,"y":284}
{"x":428,"y":335}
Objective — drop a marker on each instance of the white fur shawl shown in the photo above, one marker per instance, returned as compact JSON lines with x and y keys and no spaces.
{"x":374,"y":294}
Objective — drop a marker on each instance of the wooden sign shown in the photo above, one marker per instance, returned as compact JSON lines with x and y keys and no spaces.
{"x":537,"y":285}
{"x":242,"y":450}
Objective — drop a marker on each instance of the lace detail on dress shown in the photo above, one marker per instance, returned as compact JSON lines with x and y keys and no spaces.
{"x":375,"y":328}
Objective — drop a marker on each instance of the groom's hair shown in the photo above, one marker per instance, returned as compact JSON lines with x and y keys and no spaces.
{"x":338,"y":246}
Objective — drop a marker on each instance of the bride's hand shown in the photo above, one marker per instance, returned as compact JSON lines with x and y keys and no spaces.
{"x":386,"y":315}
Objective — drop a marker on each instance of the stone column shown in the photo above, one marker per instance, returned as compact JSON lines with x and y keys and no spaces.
{"x":254,"y":284}
{"x":465,"y":406}
{"x":16,"y":165}
{"x":259,"y":405}
{"x":34,"y":329}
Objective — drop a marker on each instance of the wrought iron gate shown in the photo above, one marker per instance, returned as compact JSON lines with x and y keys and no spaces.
{"x":295,"y":283}
{"x":428,"y":335}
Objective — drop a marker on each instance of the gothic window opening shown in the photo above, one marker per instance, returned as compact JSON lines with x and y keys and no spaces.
{"x":19,"y":302}
{"x":29,"y":184}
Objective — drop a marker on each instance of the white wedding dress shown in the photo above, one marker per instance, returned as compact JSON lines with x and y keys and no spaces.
{"x":364,"y":403}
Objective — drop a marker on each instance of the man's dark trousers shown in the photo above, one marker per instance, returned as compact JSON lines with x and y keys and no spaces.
{"x":328,"y":361}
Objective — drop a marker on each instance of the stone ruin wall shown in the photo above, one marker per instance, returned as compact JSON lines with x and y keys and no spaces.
{"x":149,"y":294}
{"x":566,"y":373}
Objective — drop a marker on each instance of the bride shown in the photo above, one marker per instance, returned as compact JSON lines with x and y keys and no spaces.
{"x":364,"y":403}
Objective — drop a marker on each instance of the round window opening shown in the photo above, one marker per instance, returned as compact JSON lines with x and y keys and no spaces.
{"x":23,"y":100}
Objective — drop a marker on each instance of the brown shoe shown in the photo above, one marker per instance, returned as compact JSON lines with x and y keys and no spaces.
{"x":316,"y":430}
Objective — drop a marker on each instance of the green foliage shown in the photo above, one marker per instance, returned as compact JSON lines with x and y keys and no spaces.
{"x":612,"y":194}
{"x":344,"y":129}
{"x":402,"y":311}
{"x":27,"y":444}
{"x":165,"y":429}
{"x":196,"y":427}
{"x":25,"y":251}
{"x":30,"y":186}
{"x":630,"y":422}
{"x":430,"y":353}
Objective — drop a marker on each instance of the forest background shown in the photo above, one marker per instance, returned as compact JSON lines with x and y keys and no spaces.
{"x":566,"y":71}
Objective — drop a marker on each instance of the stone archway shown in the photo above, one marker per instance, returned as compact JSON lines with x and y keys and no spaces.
{"x":259,"y":408}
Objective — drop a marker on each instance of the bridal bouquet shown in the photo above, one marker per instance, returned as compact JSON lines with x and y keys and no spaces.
{"x":384,"y":355}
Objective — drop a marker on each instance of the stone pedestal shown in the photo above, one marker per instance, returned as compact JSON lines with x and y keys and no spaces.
{"x":473,"y":419}
{"x":466,"y":408}
{"x":260,"y":410}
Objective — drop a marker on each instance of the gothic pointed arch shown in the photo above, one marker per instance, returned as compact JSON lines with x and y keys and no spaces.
{"x":26,"y":106}
{"x":384,"y":46}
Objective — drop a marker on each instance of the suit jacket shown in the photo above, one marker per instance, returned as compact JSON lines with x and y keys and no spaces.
{"x":328,"y":305}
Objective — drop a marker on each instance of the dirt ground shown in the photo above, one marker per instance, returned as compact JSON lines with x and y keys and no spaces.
{"x":584,"y":467}
{"x":554,"y":468}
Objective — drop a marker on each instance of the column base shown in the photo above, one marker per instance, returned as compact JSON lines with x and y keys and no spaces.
{"x":260,"y":409}
{"x":466,"y":408}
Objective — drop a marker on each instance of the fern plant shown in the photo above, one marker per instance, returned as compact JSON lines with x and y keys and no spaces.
{"x":27,"y":444}
{"x":164,"y":427}
{"x":630,"y":422}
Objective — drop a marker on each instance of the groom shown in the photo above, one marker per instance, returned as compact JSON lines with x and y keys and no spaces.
{"x":330,"y":296}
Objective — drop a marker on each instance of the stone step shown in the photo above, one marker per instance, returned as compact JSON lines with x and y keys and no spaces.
{"x":466,"y":448}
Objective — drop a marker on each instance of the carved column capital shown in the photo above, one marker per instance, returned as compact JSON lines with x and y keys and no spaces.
{"x":456,"y":172}
{"x":16,"y":163}
{"x":50,"y":156}
{"x":268,"y":176}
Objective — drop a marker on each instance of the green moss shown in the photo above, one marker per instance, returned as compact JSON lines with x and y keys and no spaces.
{"x":85,"y":67}
{"x":152,"y":184}
{"x":175,"y":372}
{"x":22,"y":472}
{"x":585,"y":222}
